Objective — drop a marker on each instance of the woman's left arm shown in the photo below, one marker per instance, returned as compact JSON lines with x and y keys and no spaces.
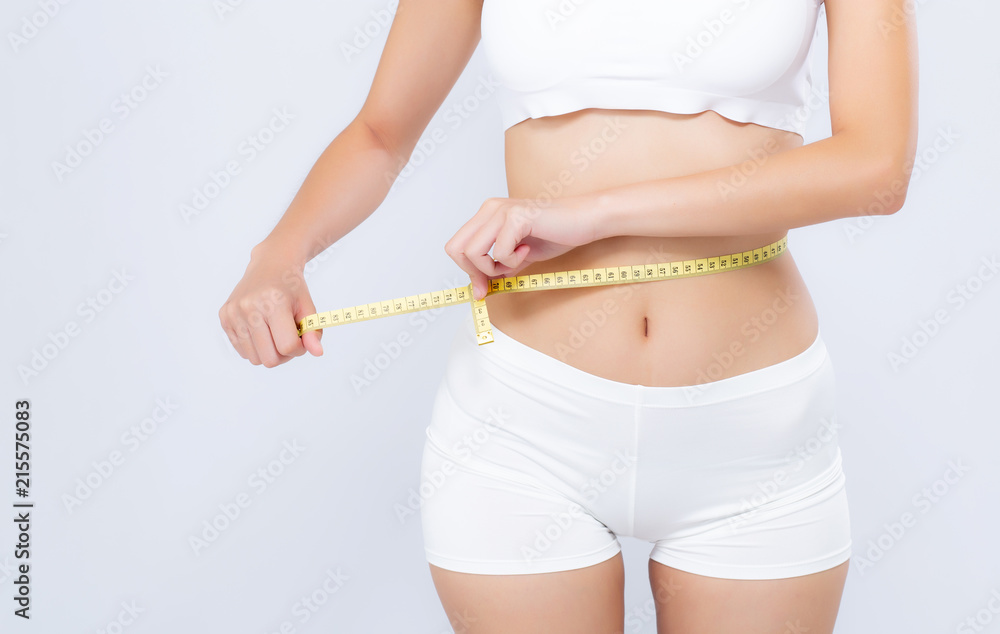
{"x":868,"y":158}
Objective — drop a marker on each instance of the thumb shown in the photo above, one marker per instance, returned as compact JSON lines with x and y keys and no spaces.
{"x":311,"y":339}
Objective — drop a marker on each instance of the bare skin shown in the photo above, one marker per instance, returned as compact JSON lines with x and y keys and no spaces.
{"x":664,"y":333}
{"x":591,"y":600}
{"x":685,"y":321}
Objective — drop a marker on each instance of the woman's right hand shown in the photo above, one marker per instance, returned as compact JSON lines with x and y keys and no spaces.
{"x":262,"y":313}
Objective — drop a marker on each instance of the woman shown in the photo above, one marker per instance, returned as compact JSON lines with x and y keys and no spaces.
{"x":698,"y":413}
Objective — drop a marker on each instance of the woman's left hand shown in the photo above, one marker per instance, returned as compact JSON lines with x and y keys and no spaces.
{"x":520,"y":232}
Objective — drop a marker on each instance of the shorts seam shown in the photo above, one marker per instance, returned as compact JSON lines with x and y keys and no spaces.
{"x":775,"y":509}
{"x":508,"y":365}
{"x":484,"y":469}
{"x":612,"y":548}
{"x":526,"y":371}
{"x":743,"y":395}
{"x":820,"y":485}
{"x":737,"y":571}
{"x":502,"y":561}
{"x":635,"y":467}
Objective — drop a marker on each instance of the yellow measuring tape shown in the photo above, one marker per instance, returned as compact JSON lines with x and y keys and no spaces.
{"x":541,"y":282}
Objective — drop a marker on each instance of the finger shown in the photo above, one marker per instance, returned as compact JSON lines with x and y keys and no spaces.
{"x":478,"y":247}
{"x":225,"y":321}
{"x":475,"y":275}
{"x":260,"y":332}
{"x":311,"y":340}
{"x":237,"y":344}
{"x":521,"y":256}
{"x":457,"y":246}
{"x":480,"y":282}
{"x":246,"y":342}
{"x":506,"y":249}
{"x":482,"y":216}
{"x":283,"y":329}
{"x":459,"y":243}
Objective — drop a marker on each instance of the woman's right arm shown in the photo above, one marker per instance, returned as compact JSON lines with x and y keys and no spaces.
{"x":428,"y":46}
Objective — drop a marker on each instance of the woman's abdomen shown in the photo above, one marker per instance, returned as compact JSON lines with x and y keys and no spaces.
{"x":667,"y":333}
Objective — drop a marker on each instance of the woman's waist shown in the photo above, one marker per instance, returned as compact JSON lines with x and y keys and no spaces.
{"x":687,"y":258}
{"x":757,"y":315}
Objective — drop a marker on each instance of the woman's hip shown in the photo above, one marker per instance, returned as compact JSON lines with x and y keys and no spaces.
{"x":708,"y":451}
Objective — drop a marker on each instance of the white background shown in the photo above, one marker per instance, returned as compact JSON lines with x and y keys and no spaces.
{"x":62,"y":240}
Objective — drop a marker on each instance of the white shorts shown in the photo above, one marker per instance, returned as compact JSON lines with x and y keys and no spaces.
{"x":532,"y":465}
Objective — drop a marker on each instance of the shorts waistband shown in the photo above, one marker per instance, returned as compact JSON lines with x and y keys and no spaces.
{"x":519,"y":358}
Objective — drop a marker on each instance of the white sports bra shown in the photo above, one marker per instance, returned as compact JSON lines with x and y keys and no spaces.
{"x":747,"y":60}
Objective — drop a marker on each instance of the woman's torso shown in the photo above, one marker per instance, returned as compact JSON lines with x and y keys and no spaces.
{"x":667,"y":333}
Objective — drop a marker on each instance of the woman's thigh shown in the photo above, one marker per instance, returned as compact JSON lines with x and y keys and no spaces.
{"x":687,"y":603}
{"x":588,"y":600}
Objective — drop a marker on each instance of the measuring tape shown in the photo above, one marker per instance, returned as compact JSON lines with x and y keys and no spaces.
{"x":541,"y":282}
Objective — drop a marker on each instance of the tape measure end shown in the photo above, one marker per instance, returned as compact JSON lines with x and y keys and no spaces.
{"x":485,"y":337}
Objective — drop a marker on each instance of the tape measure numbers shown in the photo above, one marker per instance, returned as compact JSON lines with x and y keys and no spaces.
{"x":541,"y":282}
